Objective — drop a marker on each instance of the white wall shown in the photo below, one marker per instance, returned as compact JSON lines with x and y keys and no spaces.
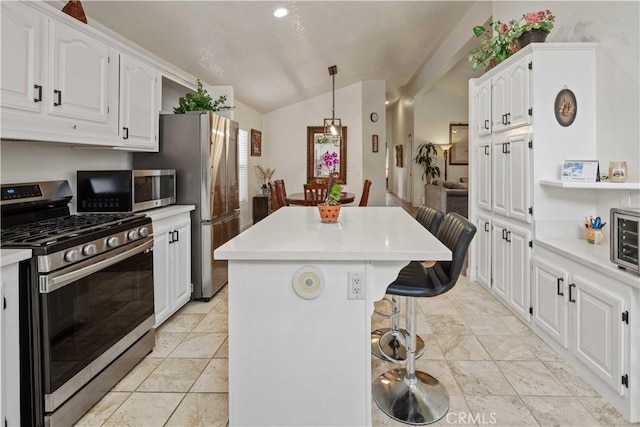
{"x":402,"y":125}
{"x":433,"y":112}
{"x":373,"y":164}
{"x":284,"y":136}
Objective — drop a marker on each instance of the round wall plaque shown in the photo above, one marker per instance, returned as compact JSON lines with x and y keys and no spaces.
{"x":566,"y":107}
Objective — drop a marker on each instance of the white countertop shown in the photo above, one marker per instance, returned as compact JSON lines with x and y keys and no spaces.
{"x":11,"y":256}
{"x":167,"y":211}
{"x":362,"y":233}
{"x":592,"y":256}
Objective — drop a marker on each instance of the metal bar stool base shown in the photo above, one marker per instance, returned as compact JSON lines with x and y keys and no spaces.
{"x":392,"y":347}
{"x":420,"y":401}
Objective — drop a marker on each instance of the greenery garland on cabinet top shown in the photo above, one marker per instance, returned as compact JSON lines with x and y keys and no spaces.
{"x":201,"y":101}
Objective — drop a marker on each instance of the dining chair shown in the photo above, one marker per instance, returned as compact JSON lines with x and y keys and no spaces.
{"x":275,"y":198}
{"x":314,"y":194}
{"x":282,"y":192}
{"x":408,"y":395}
{"x":364,"y":199}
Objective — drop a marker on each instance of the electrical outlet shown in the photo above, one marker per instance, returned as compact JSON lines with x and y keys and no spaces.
{"x":355,"y":286}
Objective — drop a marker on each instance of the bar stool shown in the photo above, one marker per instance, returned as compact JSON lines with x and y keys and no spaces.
{"x":407,"y":395}
{"x":393,"y":348}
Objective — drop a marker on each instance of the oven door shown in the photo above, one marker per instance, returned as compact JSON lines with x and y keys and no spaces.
{"x":91,"y":313}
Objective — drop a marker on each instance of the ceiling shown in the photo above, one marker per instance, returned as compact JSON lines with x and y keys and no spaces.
{"x":274,"y":62}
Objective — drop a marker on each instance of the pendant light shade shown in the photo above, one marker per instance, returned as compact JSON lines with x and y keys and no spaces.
{"x":333,"y":126}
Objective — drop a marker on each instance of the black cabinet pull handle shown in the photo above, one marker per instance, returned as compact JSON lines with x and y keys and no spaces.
{"x":504,"y":119}
{"x":504,"y":234}
{"x":508,"y":145}
{"x":486,"y":150}
{"x":571,"y":285}
{"x":59,"y":94}
{"x":508,"y":236}
{"x":486,"y":124}
{"x":39,"y":89}
{"x":486,"y":227}
{"x":171,"y":238}
{"x":177,"y":235}
{"x":125,"y":131}
{"x":508,"y":118}
{"x":504,"y":148}
{"x":560,"y":280}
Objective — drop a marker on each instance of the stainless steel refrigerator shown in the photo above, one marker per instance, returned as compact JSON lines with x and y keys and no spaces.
{"x":203,"y":149}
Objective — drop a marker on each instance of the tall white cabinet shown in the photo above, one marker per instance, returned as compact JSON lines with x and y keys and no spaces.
{"x":572,"y":299}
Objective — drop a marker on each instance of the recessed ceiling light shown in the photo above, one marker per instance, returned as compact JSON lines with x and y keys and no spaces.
{"x":281,"y":12}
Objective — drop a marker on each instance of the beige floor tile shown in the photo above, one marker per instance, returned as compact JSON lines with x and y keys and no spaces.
{"x":379,"y":366}
{"x":432,"y":350}
{"x":437,"y":305}
{"x":213,"y":322}
{"x":440,"y":370}
{"x":461,"y":347}
{"x":174,"y":375}
{"x":559,"y":411}
{"x":201,"y":409}
{"x":214,"y":378}
{"x":482,"y":307}
{"x":487,"y":325}
{"x":223,"y":351}
{"x":145,"y":409}
{"x":532,"y":379}
{"x":222,"y":307}
{"x":458,"y":415}
{"x":137,"y":375}
{"x":517,"y":326}
{"x":506,"y":347}
{"x":447,"y":324}
{"x":103,"y":409}
{"x":198,"y":345}
{"x":199,"y":307}
{"x":480,"y":377}
{"x":500,"y":411}
{"x":181,"y":322}
{"x":604,"y":412}
{"x":166,"y":342}
{"x":541,"y":349}
{"x":571,"y":379}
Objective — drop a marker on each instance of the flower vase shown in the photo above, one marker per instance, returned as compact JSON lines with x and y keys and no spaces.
{"x":532,"y":36}
{"x":329,"y":213}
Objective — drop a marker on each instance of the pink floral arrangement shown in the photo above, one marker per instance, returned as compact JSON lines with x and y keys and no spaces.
{"x":330,"y":160}
{"x":540,"y":20}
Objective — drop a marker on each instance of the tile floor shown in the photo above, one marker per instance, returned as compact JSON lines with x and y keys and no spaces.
{"x":497,"y":372}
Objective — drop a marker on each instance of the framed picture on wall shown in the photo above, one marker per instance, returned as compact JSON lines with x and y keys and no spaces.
{"x":459,"y":140}
{"x":256,"y":143}
{"x":374,"y":143}
{"x":399,"y":161}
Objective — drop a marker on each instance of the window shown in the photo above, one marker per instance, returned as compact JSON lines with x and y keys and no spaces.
{"x":243,"y":164}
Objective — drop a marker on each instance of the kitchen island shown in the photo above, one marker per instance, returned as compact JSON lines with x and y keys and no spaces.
{"x":301,"y":296}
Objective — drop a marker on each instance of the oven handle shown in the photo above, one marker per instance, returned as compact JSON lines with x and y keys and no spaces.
{"x":50,"y":283}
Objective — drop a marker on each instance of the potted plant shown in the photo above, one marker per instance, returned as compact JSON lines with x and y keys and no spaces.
{"x":493,"y":49}
{"x":201,"y":101}
{"x":533,"y":27}
{"x":330,"y":209}
{"x":426,"y":159}
{"x":265,"y":175}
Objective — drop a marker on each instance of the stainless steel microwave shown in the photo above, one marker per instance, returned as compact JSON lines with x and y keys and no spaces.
{"x":125,"y":190}
{"x":625,"y":238}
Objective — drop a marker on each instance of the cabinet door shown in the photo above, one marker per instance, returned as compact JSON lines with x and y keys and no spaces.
{"x":499,"y":102}
{"x":549,"y":290}
{"x":483,"y":248}
{"x":161,"y":271}
{"x":499,"y":177}
{"x":484,"y":176}
{"x":598,"y":331}
{"x":518,"y":179}
{"x":518,"y":279}
{"x":181,"y":253}
{"x":81,"y":85}
{"x":138,"y":104}
{"x":21,"y":57}
{"x":483,"y":105}
{"x":518,"y":98}
{"x":499,"y":260}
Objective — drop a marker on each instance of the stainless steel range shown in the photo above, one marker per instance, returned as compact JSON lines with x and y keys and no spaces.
{"x":86,"y":299}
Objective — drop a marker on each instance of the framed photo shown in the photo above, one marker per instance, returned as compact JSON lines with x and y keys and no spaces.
{"x":581,"y":170}
{"x":399,"y":161}
{"x":459,"y":140}
{"x":256,"y":143}
{"x":374,"y":143}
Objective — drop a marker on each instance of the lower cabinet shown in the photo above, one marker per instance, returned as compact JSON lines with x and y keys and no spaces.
{"x":483,"y":245}
{"x":9,"y":352}
{"x":510,"y":263}
{"x":171,"y":264}
{"x":587,"y":313}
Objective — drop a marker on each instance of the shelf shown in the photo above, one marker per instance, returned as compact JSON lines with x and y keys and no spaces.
{"x":591,"y":185}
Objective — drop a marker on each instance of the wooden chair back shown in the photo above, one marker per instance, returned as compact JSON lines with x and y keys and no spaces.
{"x":364,"y":199}
{"x":282,"y":192}
{"x":276,"y":202}
{"x":314,"y":194}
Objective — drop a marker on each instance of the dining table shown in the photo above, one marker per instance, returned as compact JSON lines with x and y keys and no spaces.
{"x":298,"y":198}
{"x":301,"y":295}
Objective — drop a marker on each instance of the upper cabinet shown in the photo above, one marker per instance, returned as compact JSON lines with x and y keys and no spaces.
{"x":510,"y":104}
{"x":62,"y":81}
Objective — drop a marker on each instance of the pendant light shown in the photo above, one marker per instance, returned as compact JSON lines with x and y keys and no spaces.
{"x":333,"y":126}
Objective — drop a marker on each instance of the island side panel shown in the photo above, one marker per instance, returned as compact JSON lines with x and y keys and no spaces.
{"x":294,"y":361}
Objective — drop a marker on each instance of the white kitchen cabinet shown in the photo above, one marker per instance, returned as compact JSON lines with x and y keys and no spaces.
{"x":483,"y":95}
{"x":510,"y":263}
{"x":484,"y":175}
{"x":548,"y":288}
{"x":171,"y":263}
{"x":510,"y":100}
{"x":483,"y":244}
{"x":511,"y":177}
{"x":9,"y":350}
{"x":139,"y":104}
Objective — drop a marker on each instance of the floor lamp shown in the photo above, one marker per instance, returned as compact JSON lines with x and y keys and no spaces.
{"x":445,"y":151}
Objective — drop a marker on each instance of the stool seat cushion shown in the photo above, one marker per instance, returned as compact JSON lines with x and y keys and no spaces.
{"x":416,"y":281}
